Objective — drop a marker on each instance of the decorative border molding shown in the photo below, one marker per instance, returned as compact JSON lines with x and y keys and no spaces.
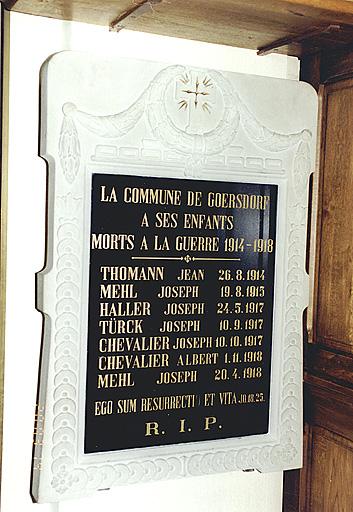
{"x":66,"y":472}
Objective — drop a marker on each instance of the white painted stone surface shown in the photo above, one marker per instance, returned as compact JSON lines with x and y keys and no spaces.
{"x":134,"y":117}
{"x":33,"y":39}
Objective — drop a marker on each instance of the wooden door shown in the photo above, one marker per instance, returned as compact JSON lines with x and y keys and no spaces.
{"x":326,"y":482}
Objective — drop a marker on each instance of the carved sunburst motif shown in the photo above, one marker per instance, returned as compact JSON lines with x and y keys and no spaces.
{"x":196,"y":93}
{"x":185,"y":79}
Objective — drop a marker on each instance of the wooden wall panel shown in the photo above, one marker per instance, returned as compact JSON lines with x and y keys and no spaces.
{"x":335,"y":273}
{"x":331,"y":468}
{"x":324,"y":484}
{"x":330,"y":365}
{"x":330,"y":406}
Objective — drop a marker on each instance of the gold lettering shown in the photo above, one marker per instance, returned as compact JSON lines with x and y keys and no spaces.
{"x":165,"y":403}
{"x":210,"y":420}
{"x":122,"y":309}
{"x":194,"y":198}
{"x":188,"y":274}
{"x":180,"y":326}
{"x":194,"y":359}
{"x":192,"y":343}
{"x":166,"y":220}
{"x":236,"y":201}
{"x":114,"y":241}
{"x":126,"y":406}
{"x":177,"y":377}
{"x":144,"y":222}
{"x":152,"y":196}
{"x":143,"y":344}
{"x":117,"y":291}
{"x":197,"y":243}
{"x":127,"y":362}
{"x":202,"y":221}
{"x":103,"y":408}
{"x":144,"y":245}
{"x":152,"y":428}
{"x":161,"y":244}
{"x":209,"y":399}
{"x":184,"y":308}
{"x":114,"y":326}
{"x":108,"y":197}
{"x":115,"y":380}
{"x":132,"y":273}
{"x":184,"y":292}
{"x":227,"y":398}
{"x":182,"y":426}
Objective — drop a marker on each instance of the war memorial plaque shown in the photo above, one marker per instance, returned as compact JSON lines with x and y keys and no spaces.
{"x":175,"y":279}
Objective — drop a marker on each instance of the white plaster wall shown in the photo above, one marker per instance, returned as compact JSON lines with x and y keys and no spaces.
{"x":32,"y":41}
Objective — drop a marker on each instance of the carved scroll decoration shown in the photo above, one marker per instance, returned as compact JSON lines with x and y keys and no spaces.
{"x":152,"y":103}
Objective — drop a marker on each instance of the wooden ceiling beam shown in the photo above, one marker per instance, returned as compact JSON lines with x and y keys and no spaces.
{"x":252,"y":24}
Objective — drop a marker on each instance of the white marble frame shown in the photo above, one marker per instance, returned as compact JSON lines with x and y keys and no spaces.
{"x":61,"y":469}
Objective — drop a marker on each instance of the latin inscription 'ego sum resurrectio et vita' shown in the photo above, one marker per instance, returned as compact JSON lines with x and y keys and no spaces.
{"x":180,"y":311}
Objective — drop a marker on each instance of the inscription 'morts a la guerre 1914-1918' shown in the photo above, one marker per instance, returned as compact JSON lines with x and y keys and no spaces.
{"x":180,"y":311}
